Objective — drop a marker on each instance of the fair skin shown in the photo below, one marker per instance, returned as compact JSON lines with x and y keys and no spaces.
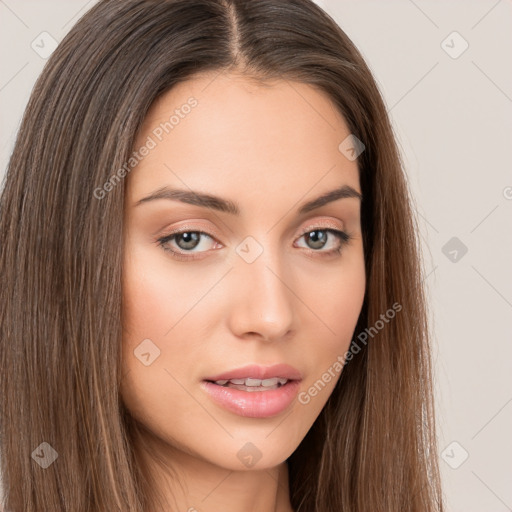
{"x":269,"y":150}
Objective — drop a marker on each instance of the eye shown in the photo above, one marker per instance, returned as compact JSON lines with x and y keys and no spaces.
{"x":318,"y":238}
{"x":185,"y":241}
{"x":179,"y":243}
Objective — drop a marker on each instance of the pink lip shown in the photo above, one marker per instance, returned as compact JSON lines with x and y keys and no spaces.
{"x":253,"y":404}
{"x":255,"y":371}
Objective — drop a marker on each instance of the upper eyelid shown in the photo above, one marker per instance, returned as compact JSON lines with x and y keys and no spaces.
{"x":304,"y":231}
{"x":320,"y":224}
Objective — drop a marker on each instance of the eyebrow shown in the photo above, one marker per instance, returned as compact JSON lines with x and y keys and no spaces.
{"x":227,"y":206}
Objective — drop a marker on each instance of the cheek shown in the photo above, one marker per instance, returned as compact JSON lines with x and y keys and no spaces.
{"x":165,"y":315}
{"x":335,"y":299}
{"x":342,"y":302}
{"x":150,"y":309}
{"x":335,"y":296}
{"x":157,"y":293}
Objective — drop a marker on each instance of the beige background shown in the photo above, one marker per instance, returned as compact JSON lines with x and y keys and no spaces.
{"x":452,"y":115}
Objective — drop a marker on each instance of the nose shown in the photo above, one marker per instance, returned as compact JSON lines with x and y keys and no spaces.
{"x":262,"y":299}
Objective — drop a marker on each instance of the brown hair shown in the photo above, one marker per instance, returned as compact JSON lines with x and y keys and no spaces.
{"x":373,"y":447}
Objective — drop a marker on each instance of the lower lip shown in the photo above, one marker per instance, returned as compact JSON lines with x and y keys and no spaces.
{"x":253,"y":404}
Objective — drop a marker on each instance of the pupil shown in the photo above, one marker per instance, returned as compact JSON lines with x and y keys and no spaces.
{"x":190,"y":237}
{"x":318,"y":241}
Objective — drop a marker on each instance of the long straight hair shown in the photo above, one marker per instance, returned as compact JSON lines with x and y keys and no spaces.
{"x":373,"y":446}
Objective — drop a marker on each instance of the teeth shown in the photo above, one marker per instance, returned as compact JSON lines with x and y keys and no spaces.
{"x":253,"y":382}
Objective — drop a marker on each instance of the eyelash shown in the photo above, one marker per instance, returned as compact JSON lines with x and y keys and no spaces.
{"x":343,"y":237}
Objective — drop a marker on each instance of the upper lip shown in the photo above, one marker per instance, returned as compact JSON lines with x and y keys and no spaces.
{"x":255,"y":371}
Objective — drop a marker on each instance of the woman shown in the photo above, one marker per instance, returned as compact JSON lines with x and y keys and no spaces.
{"x":211,"y":287}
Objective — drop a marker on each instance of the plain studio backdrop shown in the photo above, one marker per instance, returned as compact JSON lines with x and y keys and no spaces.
{"x":442,"y":69}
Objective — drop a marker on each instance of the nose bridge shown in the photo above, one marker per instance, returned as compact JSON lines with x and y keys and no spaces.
{"x":263,"y":301}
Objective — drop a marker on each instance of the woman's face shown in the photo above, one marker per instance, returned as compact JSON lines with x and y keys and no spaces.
{"x":270,"y":282}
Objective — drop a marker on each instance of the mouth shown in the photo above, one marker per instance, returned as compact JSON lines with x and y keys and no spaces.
{"x":251,"y":384}
{"x":255,"y":391}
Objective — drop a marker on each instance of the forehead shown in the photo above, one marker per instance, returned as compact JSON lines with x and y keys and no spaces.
{"x":220,"y":128}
